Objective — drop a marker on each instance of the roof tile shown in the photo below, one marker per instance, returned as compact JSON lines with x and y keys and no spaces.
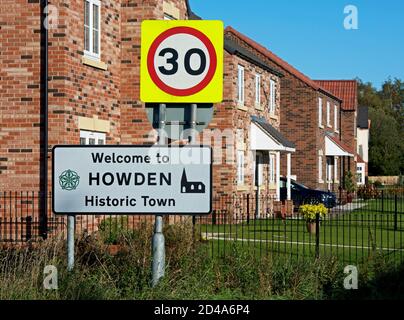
{"x":347,"y":90}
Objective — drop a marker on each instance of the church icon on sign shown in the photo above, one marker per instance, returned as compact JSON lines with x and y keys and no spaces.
{"x":191,"y":187}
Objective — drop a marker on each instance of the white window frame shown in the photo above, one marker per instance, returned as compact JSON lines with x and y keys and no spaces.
{"x":90,"y":53}
{"x":272,"y":97}
{"x":328,"y":114}
{"x":320,"y":112}
{"x":320,"y":169}
{"x":96,"y":136}
{"x":272,"y":169}
{"x":257,"y":89}
{"x":240,"y":85}
{"x":360,"y":174}
{"x":336,"y":163}
{"x":329,"y":172}
{"x":240,"y":167}
{"x":336,"y":118}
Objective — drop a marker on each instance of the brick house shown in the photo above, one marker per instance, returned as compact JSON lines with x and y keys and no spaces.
{"x":93,"y":80}
{"x":310,"y":117}
{"x":249,"y":116}
{"x":347,"y":90}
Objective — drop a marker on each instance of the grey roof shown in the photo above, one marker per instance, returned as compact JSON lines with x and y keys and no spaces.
{"x":234,"y":48}
{"x":274,"y":133}
{"x":363,"y":117}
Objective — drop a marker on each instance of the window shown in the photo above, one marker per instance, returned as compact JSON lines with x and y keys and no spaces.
{"x":240,"y":84}
{"x":360,"y":174}
{"x":320,"y":112}
{"x":328,"y":114}
{"x":258,"y":89}
{"x":240,"y":167}
{"x":336,"y":118}
{"x":272,"y":97}
{"x":320,"y":169}
{"x":92,"y":28}
{"x":336,"y":162}
{"x":92,"y":138}
{"x":329,"y":172}
{"x":271,"y":168}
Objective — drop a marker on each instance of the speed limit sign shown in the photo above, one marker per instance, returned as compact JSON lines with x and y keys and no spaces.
{"x":182,"y":62}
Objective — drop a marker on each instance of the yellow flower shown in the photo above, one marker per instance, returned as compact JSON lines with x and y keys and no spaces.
{"x":309,"y":211}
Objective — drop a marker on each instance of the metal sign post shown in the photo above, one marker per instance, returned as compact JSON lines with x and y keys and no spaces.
{"x":182,"y":62}
{"x":71,"y":221}
{"x":159,"y":253}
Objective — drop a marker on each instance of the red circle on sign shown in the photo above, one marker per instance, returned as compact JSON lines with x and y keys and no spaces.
{"x":201,"y":85}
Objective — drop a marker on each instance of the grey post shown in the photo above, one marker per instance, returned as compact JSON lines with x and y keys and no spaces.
{"x":70,"y":241}
{"x":158,"y":236}
{"x":194,"y":108}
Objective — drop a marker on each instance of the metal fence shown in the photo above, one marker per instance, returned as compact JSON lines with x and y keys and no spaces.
{"x":354,"y":231}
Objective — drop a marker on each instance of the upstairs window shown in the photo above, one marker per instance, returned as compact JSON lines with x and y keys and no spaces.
{"x":258,"y":89}
{"x":272,"y":97}
{"x":328,"y":114}
{"x":92,"y":138}
{"x":92,"y":27}
{"x":336,"y":118}
{"x":320,"y":112}
{"x":272,"y":168}
{"x":240,"y":85}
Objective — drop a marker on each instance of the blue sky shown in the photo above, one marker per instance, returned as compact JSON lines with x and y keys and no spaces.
{"x":310,"y":34}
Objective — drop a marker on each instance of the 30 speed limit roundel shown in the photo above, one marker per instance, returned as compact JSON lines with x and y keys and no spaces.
{"x":182,"y":61}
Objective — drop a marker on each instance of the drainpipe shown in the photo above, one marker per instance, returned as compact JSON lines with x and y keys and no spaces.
{"x":43,"y":201}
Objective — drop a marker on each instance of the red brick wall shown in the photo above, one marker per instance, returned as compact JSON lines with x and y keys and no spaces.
{"x":75,"y":89}
{"x":19,"y":95}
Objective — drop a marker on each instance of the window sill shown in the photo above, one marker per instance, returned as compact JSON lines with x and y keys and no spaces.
{"x":241,"y":107}
{"x":259,"y":107}
{"x":273,"y":116}
{"x":321,"y":126}
{"x":242,"y":188}
{"x":94,"y":63}
{"x":320,"y":181}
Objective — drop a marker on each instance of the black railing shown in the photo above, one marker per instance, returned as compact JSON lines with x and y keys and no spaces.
{"x":353,"y":231}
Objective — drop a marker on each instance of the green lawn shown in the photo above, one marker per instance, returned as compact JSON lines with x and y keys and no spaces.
{"x":352,"y":236}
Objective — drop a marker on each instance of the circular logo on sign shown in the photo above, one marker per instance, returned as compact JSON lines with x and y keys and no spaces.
{"x":69,"y":180}
{"x":182,"y":61}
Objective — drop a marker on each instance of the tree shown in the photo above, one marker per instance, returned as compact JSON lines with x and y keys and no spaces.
{"x":386,"y":112}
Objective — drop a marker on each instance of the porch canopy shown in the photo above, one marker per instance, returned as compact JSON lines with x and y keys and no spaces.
{"x":335,"y":148}
{"x":264,"y":137}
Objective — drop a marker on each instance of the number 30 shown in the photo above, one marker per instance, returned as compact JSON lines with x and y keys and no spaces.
{"x":173,"y":61}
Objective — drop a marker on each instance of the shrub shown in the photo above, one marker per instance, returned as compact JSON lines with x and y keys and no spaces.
{"x":310,"y":211}
{"x":368,"y":191}
{"x":349,"y":182}
{"x":378,"y":184}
